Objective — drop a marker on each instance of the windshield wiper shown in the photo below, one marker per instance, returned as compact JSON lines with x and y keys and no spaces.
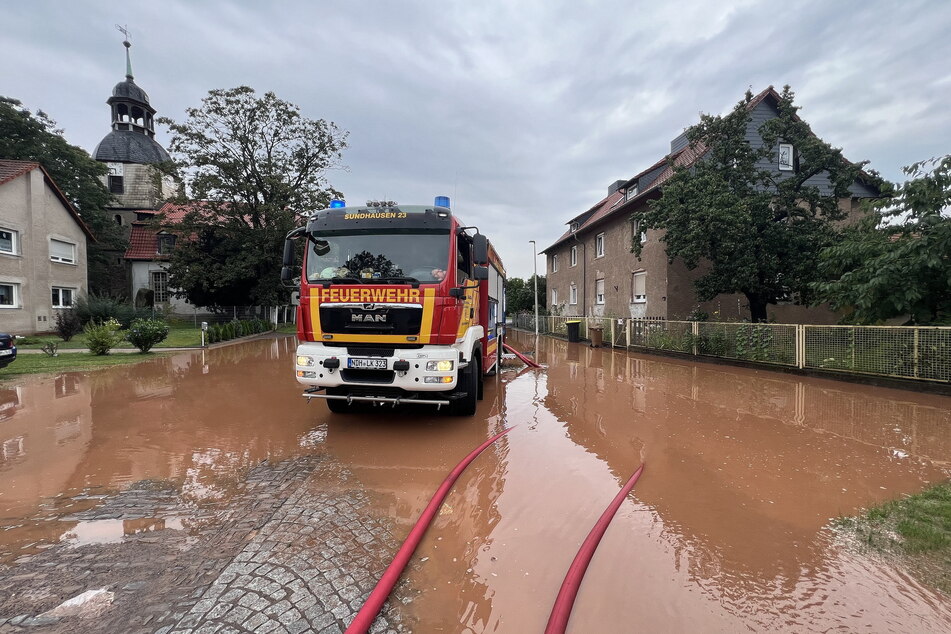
{"x":401,"y":280}
{"x":342,"y":279}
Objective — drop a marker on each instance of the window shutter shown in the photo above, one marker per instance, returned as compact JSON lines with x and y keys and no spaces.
{"x":62,"y":251}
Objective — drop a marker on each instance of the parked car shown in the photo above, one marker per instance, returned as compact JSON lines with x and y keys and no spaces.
{"x":8,"y":349}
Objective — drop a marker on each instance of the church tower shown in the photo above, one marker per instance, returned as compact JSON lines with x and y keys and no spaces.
{"x":132,"y":153}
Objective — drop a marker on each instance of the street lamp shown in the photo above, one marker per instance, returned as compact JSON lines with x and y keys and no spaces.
{"x":535,"y":263}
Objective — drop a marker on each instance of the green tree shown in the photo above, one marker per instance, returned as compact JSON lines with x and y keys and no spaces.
{"x":897,"y":261}
{"x":255,"y":164}
{"x":756,"y":230}
{"x":29,"y":136}
{"x":519,"y":295}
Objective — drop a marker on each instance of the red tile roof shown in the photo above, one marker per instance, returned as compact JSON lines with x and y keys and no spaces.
{"x":143,"y":241}
{"x":11,"y":169}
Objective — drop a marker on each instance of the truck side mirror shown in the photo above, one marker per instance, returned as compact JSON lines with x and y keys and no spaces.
{"x":287,"y":273}
{"x":480,"y":272}
{"x":480,"y":249}
{"x":288,"y":255}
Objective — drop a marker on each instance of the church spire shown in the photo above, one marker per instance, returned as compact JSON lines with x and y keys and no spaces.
{"x":127,"y":44}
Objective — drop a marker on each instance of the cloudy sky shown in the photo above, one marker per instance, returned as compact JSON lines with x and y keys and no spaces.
{"x":522,"y":112}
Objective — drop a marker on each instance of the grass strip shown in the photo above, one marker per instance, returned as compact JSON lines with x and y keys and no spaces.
{"x":70,"y":362}
{"x":915,"y":529}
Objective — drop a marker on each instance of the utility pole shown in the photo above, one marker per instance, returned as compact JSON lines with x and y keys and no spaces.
{"x":535,"y":263}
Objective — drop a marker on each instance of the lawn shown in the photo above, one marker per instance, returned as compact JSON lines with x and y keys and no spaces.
{"x":180,"y":335}
{"x":69,"y":362}
{"x":916,"y":530}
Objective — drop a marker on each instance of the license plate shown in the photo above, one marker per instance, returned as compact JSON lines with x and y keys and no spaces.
{"x":367,"y":364}
{"x":4,"y":353}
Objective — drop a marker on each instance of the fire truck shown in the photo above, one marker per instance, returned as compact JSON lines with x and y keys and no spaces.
{"x":398,"y":304}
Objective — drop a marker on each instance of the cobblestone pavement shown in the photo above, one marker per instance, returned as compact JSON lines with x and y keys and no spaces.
{"x":295,"y":551}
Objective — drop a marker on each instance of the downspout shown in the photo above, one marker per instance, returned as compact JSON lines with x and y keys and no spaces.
{"x":584,"y":276}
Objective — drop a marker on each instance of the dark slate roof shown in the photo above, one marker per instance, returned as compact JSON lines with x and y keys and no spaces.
{"x":128,"y":89}
{"x":126,"y":146}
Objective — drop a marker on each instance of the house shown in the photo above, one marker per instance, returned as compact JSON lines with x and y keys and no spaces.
{"x":42,"y":249}
{"x":150,"y":249}
{"x":592,"y":272}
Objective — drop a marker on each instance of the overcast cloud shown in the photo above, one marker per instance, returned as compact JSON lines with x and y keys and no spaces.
{"x":522,"y":112}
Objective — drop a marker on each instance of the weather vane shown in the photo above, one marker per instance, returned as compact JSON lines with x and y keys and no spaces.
{"x":125,"y":31}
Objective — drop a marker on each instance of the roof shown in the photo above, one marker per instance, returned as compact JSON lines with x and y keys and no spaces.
{"x":12,"y":169}
{"x":128,"y":89}
{"x":684,"y":157}
{"x":126,"y":146}
{"x":143,"y":240}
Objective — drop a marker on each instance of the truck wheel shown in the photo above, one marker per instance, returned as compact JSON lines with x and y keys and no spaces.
{"x":337,"y":405}
{"x":468,"y":383}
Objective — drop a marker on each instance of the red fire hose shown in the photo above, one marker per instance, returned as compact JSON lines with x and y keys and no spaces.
{"x":561,"y":610}
{"x":364,"y":619}
{"x":521,"y":356}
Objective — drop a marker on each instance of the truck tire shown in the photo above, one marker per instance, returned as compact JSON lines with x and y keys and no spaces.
{"x":469,"y":383}
{"x":337,"y":405}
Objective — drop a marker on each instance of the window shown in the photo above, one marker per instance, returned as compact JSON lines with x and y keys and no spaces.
{"x":9,"y":295}
{"x":631,"y":192}
{"x":116,"y":186}
{"x":638,"y":229}
{"x":574,"y":256}
{"x":166,"y":243}
{"x":118,"y":219}
{"x":599,"y":245}
{"x":786,"y":153}
{"x":573,"y":227}
{"x":62,"y":297}
{"x":639,"y":288}
{"x":554,"y":297}
{"x":160,"y":286}
{"x":599,"y":292}
{"x":8,"y":241}
{"x":573,"y":295}
{"x":554,"y":263}
{"x":64,"y":252}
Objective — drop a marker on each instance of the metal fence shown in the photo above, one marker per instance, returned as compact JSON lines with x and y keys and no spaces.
{"x":912,"y":352}
{"x":274,"y":314}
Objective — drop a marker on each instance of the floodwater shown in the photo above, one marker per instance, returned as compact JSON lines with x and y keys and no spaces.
{"x":727,"y":529}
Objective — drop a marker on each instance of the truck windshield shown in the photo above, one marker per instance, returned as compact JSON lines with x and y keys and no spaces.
{"x":389,"y":258}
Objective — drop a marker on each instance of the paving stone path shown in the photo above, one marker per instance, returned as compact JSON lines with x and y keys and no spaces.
{"x":298,"y":550}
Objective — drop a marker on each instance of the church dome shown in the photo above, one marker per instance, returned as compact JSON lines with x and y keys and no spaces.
{"x":128,"y":89}
{"x":127,"y":146}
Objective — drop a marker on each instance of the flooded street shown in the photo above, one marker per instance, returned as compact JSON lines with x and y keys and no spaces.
{"x":727,"y":529}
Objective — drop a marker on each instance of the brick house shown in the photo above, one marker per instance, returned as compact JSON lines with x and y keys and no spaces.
{"x":592,"y":272}
{"x":43,"y":266}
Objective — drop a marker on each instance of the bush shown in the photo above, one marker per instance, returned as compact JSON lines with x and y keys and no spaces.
{"x":101,"y":308}
{"x":102,"y":337}
{"x":68,"y":324}
{"x":145,"y":333}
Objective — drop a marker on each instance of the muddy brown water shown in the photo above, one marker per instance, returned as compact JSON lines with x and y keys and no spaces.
{"x":727,"y":530}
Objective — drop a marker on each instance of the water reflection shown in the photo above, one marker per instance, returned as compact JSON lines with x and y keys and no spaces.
{"x":197,"y":420}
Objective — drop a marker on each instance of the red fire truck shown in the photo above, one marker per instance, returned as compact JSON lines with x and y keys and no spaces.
{"x":398,"y":304}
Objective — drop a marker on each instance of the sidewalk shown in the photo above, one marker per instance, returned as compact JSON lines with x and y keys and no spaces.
{"x":209,"y":346}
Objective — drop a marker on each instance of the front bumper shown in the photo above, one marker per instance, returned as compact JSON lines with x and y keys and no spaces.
{"x":404,"y":370}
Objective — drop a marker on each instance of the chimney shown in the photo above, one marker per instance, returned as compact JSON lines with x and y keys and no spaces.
{"x":616,"y":185}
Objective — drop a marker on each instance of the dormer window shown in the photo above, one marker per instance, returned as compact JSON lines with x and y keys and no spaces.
{"x":631,"y":192}
{"x":573,"y":227}
{"x":166,"y":243}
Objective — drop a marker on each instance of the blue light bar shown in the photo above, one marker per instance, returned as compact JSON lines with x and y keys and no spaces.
{"x":337,"y":204}
{"x":442,"y":201}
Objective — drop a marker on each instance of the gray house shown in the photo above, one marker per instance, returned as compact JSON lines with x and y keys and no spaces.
{"x":592,"y":272}
{"x":42,"y":249}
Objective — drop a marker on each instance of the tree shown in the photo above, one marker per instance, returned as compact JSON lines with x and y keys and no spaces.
{"x":758,"y":231}
{"x":519,"y":295}
{"x":28,"y":136}
{"x":255,"y":164}
{"x":897,"y":261}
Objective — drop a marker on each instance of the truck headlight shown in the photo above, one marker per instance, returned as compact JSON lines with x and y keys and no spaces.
{"x":439,"y":366}
{"x":305,"y":361}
